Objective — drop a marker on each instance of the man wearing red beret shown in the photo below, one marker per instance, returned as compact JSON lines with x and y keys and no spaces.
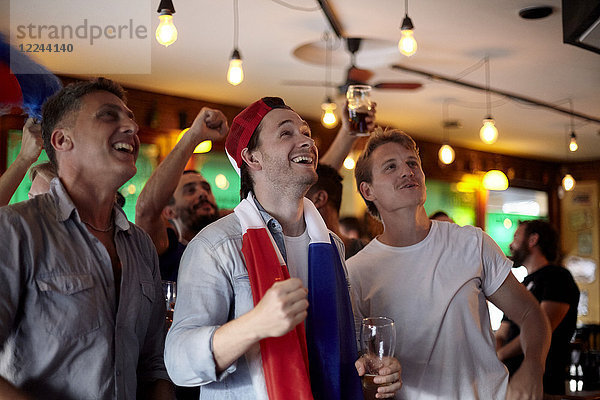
{"x":263,"y":309}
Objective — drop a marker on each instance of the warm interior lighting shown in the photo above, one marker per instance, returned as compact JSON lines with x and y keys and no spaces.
{"x":235,"y":73}
{"x":328,"y":118}
{"x":349,"y":163}
{"x":221,"y":182}
{"x":573,"y":142}
{"x":495,"y":180}
{"x":488,"y":132}
{"x":166,"y":33}
{"x":407,"y":44}
{"x":568,"y":182}
{"x":203,"y":147}
{"x":446,"y":154}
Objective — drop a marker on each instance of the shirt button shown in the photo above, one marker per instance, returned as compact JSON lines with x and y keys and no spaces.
{"x":118,"y":372}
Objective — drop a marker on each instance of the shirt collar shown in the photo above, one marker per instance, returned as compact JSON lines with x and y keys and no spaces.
{"x":65,"y":207}
{"x":270,"y":221}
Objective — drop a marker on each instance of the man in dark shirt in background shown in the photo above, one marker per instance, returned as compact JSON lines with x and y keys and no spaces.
{"x":535,"y":246}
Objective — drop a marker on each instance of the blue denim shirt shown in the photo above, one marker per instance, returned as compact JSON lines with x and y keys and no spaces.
{"x":62,"y":333}
{"x":214,"y":288}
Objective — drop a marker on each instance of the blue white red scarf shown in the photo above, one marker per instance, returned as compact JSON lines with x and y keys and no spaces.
{"x":320,"y":362}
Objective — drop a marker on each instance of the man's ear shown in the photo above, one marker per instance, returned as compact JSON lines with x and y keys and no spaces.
{"x":533,"y":239}
{"x":319,"y":198}
{"x":61,"y":140}
{"x":366,"y":191}
{"x":169,"y":213}
{"x":252,"y":159}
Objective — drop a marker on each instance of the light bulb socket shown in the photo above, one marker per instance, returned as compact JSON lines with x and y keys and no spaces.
{"x":236,"y":55}
{"x":407,"y":24}
{"x":166,"y":7}
{"x":573,"y":136}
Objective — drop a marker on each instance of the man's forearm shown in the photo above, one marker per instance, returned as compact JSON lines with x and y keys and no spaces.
{"x":535,"y":336}
{"x":510,"y":349}
{"x":162,"y":184}
{"x":339,"y":149}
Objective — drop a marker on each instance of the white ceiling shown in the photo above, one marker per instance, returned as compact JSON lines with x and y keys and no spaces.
{"x":527,"y":57}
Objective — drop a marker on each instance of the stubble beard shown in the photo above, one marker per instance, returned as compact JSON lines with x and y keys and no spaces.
{"x":194,"y":222}
{"x":518,"y":256}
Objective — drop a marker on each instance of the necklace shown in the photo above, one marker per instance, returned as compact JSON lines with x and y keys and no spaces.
{"x":110,"y":227}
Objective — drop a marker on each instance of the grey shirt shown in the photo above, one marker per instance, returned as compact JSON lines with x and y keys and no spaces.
{"x":61,"y":334}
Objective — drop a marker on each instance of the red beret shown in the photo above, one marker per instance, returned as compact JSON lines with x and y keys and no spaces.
{"x":244,"y":125}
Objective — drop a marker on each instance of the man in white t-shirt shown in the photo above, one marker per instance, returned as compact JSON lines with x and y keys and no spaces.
{"x":433,"y":279}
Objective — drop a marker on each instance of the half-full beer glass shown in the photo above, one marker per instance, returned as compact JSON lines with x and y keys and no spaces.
{"x":377,"y":342}
{"x":170,"y":292}
{"x":359,"y":105}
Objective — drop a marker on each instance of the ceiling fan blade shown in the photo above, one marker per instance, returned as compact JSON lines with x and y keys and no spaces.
{"x":359,"y":75}
{"x":398,"y":85}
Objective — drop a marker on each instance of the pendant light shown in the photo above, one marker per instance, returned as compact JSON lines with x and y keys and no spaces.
{"x":235,"y":73}
{"x":488,"y":132}
{"x":166,"y":33}
{"x":328,"y":117}
{"x":495,"y":180}
{"x":568,"y":182}
{"x":446,"y":153}
{"x":573,"y":146}
{"x":407,"y":44}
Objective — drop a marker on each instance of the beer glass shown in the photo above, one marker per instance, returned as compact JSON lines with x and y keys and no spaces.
{"x":170,"y":292}
{"x":359,"y":105}
{"x":377,"y":342}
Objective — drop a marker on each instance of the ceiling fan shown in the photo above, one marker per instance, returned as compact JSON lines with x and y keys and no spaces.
{"x":357,"y":76}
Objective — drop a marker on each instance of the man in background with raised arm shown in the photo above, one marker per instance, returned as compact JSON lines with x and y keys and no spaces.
{"x":184,"y":198}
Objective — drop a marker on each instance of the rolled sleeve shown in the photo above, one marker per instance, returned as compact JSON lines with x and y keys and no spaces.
{"x":204,"y":300}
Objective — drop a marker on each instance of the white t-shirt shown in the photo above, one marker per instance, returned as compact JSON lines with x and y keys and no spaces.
{"x":435,"y":291}
{"x":296,"y":249}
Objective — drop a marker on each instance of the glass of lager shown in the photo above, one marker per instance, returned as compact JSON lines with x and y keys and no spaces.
{"x":170,"y":292}
{"x":377,"y":342}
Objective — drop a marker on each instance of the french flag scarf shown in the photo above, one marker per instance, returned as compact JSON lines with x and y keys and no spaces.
{"x":318,"y":363}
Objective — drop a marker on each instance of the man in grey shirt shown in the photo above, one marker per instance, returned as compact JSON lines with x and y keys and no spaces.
{"x":81,"y":310}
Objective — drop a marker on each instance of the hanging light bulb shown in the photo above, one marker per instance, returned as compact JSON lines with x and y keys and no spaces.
{"x":488,"y":132}
{"x":166,"y":33}
{"x":573,"y":142}
{"x":235,"y":73}
{"x":446,"y":154}
{"x":407,"y":44}
{"x":328,"y":118}
{"x":568,"y":182}
{"x":495,"y":180}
